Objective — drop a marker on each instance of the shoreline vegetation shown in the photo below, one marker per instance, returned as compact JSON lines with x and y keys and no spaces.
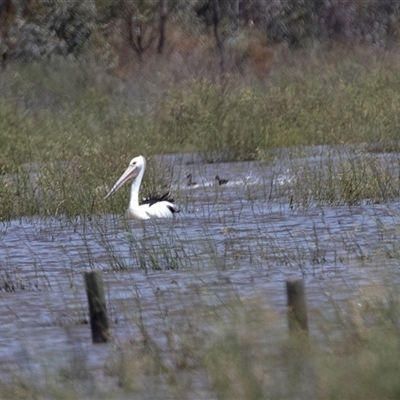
{"x":65,"y":131}
{"x":70,"y":119}
{"x":229,"y":81}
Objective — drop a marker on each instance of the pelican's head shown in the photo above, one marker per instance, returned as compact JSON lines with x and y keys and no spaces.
{"x":136,"y":166}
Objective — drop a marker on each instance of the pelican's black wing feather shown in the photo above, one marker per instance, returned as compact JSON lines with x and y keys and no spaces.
{"x":155,"y":199}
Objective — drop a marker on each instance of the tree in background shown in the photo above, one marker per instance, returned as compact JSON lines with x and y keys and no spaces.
{"x":36,"y":28}
{"x":7,"y":17}
{"x":30,"y":29}
{"x":139,"y":22}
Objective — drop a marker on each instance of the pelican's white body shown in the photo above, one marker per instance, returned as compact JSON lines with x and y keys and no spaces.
{"x":145,"y":211}
{"x":153,"y":209}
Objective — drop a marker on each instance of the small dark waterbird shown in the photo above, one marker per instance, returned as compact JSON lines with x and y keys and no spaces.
{"x":190,"y":181}
{"x":221,"y":181}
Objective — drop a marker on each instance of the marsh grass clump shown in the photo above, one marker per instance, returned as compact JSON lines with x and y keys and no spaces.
{"x":246,"y":354}
{"x":235,"y":358}
{"x":357,"y":360}
{"x":344,"y":178}
{"x":152,"y":245}
{"x":163,"y":254}
{"x":224,"y":121}
{"x":366,"y":180}
{"x":13,"y":281}
{"x":208,"y":349}
{"x":362,"y":362}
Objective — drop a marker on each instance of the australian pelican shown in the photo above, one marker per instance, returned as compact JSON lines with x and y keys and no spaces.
{"x":221,"y":181}
{"x":158,"y":207}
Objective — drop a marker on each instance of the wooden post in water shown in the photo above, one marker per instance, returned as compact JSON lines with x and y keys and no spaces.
{"x":97,"y":307}
{"x":297,"y":310}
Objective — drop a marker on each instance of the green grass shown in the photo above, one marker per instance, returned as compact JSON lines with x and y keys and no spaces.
{"x":78,"y":114}
{"x":343,"y":176}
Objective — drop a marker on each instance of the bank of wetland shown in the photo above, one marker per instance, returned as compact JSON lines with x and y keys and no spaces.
{"x":197,"y":304}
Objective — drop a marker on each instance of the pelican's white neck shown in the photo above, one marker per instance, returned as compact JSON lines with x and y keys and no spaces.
{"x":134,"y":200}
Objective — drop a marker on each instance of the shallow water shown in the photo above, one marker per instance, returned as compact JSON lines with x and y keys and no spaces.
{"x":229,"y":242}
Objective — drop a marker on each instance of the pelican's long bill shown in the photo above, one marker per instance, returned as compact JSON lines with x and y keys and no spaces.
{"x":131,"y":173}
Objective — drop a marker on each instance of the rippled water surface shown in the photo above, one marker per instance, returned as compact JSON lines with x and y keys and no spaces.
{"x":232,"y":241}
